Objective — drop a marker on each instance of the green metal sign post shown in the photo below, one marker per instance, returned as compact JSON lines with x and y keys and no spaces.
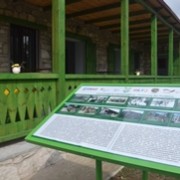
{"x":98,"y":170}
{"x":130,"y":125}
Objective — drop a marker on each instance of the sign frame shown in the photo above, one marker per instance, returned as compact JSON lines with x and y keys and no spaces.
{"x":99,"y":156}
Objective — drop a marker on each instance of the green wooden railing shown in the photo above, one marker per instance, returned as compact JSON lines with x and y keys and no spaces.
{"x":24,"y":101}
{"x":27,"y":98}
{"x":72,"y":81}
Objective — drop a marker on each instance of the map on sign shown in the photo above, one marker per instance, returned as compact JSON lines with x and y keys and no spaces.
{"x":138,"y":122}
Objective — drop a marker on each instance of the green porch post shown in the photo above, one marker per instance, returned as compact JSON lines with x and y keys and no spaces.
{"x":178,"y":61}
{"x":58,"y":45}
{"x":171,"y":53}
{"x":125,"y":38}
{"x":154,"y":45}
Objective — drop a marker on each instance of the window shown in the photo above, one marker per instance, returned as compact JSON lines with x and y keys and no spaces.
{"x":162,"y":65}
{"x":75,"y":56}
{"x":80,"y":55}
{"x":23,"y":47}
{"x":134,"y":61}
{"x":114,"y":59}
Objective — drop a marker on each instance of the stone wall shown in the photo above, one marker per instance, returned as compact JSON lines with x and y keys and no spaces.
{"x":101,"y":38}
{"x":4,"y":47}
{"x":23,"y":11}
{"x":19,"y":9}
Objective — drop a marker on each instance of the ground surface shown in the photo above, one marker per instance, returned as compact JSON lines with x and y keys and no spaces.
{"x":132,"y":174}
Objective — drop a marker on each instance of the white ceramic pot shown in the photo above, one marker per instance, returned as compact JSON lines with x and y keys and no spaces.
{"x":138,"y":73}
{"x":16,"y":70}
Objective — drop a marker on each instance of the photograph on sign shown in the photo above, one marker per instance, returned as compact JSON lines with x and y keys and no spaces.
{"x":176,"y":119}
{"x":88,"y":110}
{"x":164,"y":103}
{"x":79,"y":98}
{"x":156,"y":117}
{"x":97,"y":99}
{"x":70,"y":108}
{"x":178,"y":104}
{"x":131,"y":115}
{"x":120,"y":100}
{"x":138,"y":101}
{"x":109,"y":112}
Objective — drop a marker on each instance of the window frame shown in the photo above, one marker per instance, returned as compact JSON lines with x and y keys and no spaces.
{"x":19,"y":35}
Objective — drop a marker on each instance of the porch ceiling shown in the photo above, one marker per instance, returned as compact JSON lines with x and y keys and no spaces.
{"x":106,"y":15}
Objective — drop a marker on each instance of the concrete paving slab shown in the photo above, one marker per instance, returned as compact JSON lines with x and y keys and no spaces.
{"x":74,"y":167}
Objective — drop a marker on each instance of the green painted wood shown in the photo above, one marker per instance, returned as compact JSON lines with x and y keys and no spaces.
{"x":58,"y":45}
{"x":39,"y":100}
{"x":3,"y":105}
{"x":171,"y":53}
{"x":99,"y":170}
{"x":90,"y":57}
{"x":22,"y":101}
{"x":154,"y":46}
{"x":144,"y":165}
{"x":111,"y":59}
{"x":22,"y":104}
{"x":28,"y":76}
{"x":125,"y":37}
{"x":12,"y":102}
{"x":176,"y":58}
{"x":52,"y":94}
{"x":144,"y":175}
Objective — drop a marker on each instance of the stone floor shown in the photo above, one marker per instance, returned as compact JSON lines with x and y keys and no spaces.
{"x":73,"y":167}
{"x":25,"y":161}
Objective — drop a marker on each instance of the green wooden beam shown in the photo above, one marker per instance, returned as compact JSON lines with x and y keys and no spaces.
{"x":125,"y":38}
{"x":154,"y":45}
{"x":58,"y":45}
{"x":171,"y":53}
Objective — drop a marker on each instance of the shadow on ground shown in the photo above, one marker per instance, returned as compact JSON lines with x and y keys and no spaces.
{"x":73,"y":167}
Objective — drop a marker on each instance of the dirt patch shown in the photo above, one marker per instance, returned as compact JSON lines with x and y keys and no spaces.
{"x":133,"y":174}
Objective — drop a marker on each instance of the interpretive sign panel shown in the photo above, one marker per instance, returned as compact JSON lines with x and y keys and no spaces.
{"x":152,"y":143}
{"x":139,"y":122}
